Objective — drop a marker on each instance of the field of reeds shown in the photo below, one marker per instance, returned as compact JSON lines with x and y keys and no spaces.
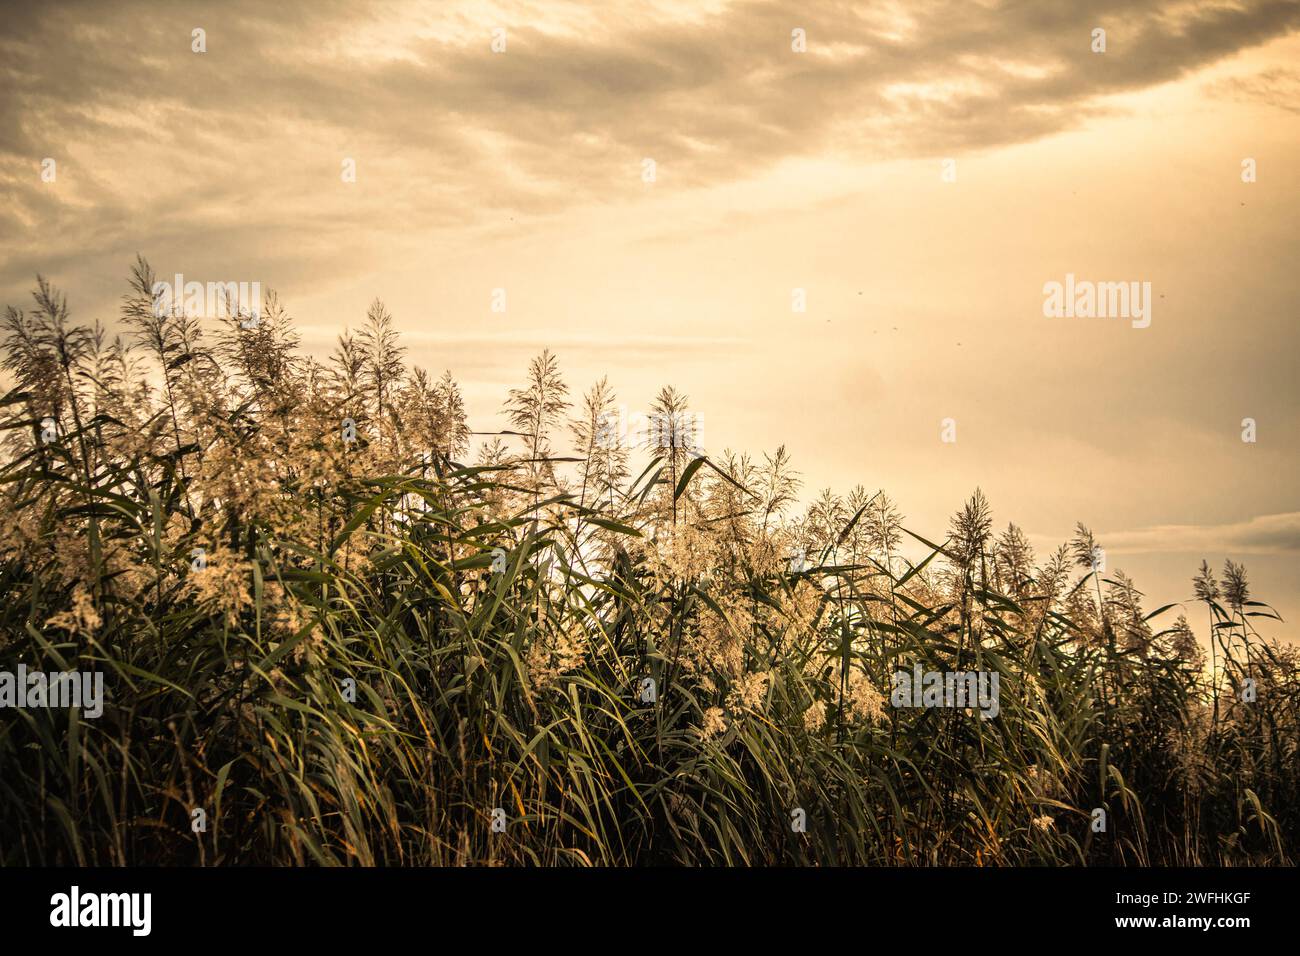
{"x":345,"y":640}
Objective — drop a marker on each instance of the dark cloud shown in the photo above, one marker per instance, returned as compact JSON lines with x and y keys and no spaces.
{"x":1266,"y":534}
{"x":160,"y":148}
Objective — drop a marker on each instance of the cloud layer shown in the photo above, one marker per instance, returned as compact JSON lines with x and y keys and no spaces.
{"x":242,"y":145}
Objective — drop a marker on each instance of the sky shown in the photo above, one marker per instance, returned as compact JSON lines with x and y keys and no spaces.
{"x":654,"y":185}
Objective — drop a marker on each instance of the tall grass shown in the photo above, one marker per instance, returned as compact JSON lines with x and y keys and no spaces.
{"x":354,"y":652}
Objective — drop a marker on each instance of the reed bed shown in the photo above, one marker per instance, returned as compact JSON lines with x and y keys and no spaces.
{"x":346,"y":644}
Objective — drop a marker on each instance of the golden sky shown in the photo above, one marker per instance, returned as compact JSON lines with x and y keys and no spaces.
{"x":775,"y":170}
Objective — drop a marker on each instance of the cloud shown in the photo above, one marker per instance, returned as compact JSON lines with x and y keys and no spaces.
{"x":1265,"y":534}
{"x":155,"y":142}
{"x":1274,"y":87}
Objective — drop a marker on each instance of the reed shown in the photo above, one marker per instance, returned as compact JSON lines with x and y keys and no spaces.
{"x":363,"y":651}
